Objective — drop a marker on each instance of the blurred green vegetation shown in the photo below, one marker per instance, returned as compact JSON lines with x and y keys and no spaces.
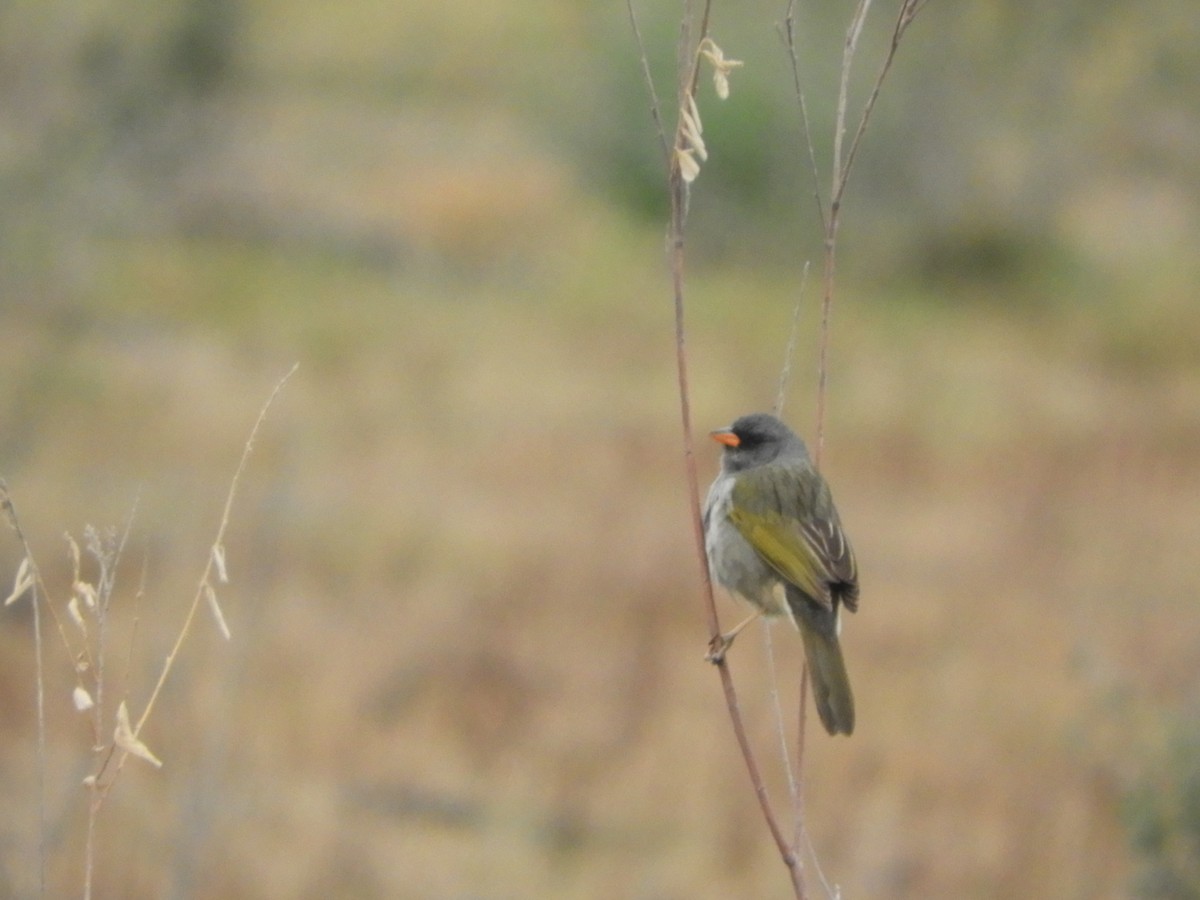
{"x":1016,"y":148}
{"x":1162,"y":812}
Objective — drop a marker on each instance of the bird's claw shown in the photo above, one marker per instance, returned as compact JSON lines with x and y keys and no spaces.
{"x":716,"y":649}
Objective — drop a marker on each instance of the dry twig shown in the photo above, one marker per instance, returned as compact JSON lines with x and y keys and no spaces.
{"x":90,"y":602}
{"x":684,"y":158}
{"x":682,"y":168}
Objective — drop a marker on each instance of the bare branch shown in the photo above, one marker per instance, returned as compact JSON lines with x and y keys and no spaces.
{"x":793,"y":336}
{"x":38,"y":589}
{"x":908,"y":12}
{"x":789,"y":36}
{"x":201,"y":588}
{"x":678,"y":188}
{"x":655,"y":106}
{"x":853,"y":33}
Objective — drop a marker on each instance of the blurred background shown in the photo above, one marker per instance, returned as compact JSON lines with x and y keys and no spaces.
{"x":468,"y":635}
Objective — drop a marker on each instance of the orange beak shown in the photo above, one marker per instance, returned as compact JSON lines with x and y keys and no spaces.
{"x":726,"y":437}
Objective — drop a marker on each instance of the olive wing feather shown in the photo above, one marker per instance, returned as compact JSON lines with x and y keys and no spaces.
{"x":789,"y":519}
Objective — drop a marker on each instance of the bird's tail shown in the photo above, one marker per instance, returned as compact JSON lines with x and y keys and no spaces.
{"x":826,"y":666}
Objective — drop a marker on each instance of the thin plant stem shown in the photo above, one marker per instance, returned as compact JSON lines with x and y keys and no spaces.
{"x":839,"y":177}
{"x":908,"y":12}
{"x":691,"y":40}
{"x":838,"y":174}
{"x":795,"y":773}
{"x":203,"y":586}
{"x":789,"y":38}
{"x":841,"y":167}
{"x":777,"y":712}
{"x":830,"y":221}
{"x":37,"y":593}
{"x":41,"y":739}
{"x":655,"y":106}
{"x":108,"y":573}
{"x":217,"y":549}
{"x":785,"y":373}
{"x":678,"y":189}
{"x":99,"y":787}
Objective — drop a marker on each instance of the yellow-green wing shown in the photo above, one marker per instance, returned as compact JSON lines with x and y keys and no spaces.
{"x":792,"y":524}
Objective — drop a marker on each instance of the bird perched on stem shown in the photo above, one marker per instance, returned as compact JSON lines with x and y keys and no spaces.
{"x":770,"y":523}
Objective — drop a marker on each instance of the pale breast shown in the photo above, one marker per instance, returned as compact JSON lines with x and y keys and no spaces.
{"x":732,"y":562}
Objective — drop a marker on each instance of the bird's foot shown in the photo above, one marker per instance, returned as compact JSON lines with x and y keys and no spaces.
{"x":717,"y":647}
{"x":722,"y":642}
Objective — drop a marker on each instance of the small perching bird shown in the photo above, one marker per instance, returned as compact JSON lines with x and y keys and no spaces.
{"x":770,"y":522}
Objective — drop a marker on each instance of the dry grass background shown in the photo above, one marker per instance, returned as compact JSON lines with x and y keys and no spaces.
{"x":468,"y":641}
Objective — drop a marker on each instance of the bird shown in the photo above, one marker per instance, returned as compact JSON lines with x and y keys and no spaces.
{"x":772,"y":536}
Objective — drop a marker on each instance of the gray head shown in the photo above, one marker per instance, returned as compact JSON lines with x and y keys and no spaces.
{"x":756,"y":440}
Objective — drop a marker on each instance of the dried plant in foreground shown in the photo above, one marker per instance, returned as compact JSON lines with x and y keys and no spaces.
{"x":115,"y":735}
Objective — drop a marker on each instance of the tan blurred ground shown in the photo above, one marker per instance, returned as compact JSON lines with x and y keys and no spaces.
{"x":468,"y":636}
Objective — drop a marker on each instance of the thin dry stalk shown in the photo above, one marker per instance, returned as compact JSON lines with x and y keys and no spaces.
{"x":655,"y":106}
{"x":830,"y":221}
{"x":41,"y":738}
{"x":104,"y":589}
{"x":793,"y":771}
{"x":683,"y":165}
{"x":127,"y":738}
{"x":789,"y":354}
{"x":204,"y":587}
{"x":88,"y":650}
{"x":908,"y":12}
{"x":685,"y":140}
{"x":842,"y":163}
{"x":107,"y":558}
{"x":37,"y":592}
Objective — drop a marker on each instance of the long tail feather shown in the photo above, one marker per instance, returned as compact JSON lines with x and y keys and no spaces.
{"x":826,"y":666}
